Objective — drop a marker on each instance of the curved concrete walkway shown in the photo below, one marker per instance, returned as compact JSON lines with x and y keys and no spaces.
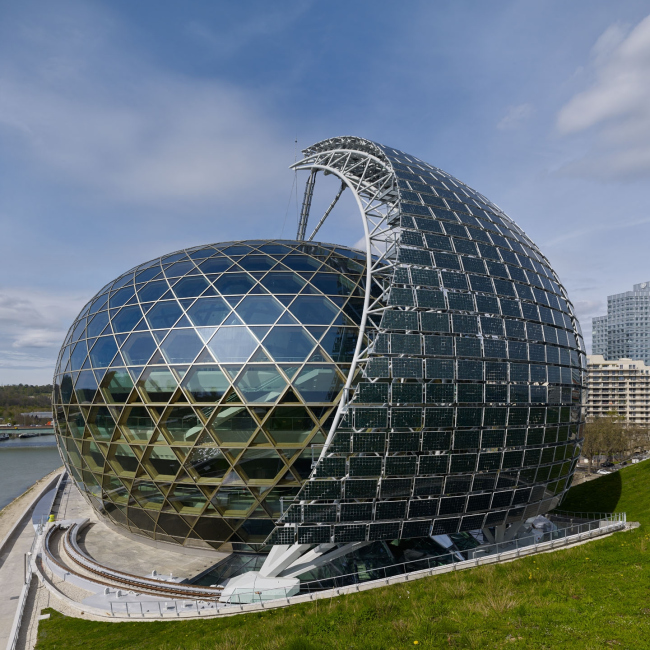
{"x":14,"y":547}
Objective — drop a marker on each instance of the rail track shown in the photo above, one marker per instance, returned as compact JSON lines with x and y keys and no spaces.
{"x":114,"y":579}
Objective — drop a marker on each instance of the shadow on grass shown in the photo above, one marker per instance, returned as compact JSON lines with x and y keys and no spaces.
{"x":600,"y":495}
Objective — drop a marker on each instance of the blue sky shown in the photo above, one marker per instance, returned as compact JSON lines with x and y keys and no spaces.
{"x":128,"y":130}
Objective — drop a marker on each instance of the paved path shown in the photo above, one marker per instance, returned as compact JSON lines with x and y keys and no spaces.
{"x":110,"y":548}
{"x":12,"y":576}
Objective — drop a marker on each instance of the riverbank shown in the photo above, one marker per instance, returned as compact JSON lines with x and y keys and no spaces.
{"x":11,"y":513}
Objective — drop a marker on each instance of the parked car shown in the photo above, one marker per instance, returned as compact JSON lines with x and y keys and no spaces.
{"x":607,"y":464}
{"x":603,"y":471}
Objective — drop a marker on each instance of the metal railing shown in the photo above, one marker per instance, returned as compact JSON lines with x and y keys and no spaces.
{"x":537,"y":541}
{"x":22,"y":599}
{"x":34,"y":548}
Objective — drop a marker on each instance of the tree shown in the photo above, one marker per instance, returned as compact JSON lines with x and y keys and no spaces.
{"x":605,"y":436}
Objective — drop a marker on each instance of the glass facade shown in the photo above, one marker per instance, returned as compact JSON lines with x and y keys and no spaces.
{"x":200,"y":397}
{"x":469,"y":411}
{"x":190,"y":392}
{"x":625,"y":331}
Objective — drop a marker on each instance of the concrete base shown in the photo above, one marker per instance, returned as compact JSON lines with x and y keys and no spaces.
{"x":251,"y":587}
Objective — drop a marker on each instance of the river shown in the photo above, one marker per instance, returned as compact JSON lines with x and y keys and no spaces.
{"x":23,"y":461}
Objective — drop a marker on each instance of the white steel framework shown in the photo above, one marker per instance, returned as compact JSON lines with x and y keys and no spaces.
{"x":372,"y":182}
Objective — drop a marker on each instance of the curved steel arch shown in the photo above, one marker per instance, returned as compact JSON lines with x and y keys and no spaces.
{"x":372,"y":183}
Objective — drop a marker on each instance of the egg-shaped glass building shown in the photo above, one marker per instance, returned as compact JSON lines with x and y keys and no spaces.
{"x":256,"y":393}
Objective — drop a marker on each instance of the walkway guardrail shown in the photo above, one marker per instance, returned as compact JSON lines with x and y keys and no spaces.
{"x":130,"y":605}
{"x":22,"y":599}
{"x":528,"y":544}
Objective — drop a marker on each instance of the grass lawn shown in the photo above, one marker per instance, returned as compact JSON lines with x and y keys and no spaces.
{"x":593,"y":596}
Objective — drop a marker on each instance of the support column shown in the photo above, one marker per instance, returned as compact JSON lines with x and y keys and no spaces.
{"x":306,"y":205}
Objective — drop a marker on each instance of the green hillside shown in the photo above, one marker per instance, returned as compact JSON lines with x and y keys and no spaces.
{"x":591,"y":596}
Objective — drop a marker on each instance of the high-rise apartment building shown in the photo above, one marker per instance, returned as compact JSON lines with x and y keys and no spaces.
{"x":625,"y":331}
{"x":618,"y":385}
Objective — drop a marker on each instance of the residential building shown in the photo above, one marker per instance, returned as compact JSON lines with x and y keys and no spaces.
{"x":620,"y":385}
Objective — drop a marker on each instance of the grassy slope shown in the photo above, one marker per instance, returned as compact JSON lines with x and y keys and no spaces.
{"x":590,"y":596}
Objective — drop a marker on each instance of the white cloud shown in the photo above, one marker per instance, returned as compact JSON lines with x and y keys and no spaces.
{"x":515,"y":116}
{"x":134,"y":131}
{"x":615,"y":109}
{"x":33,"y":324}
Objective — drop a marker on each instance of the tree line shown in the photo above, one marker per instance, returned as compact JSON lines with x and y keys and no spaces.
{"x":610,"y":437}
{"x":22,"y":398}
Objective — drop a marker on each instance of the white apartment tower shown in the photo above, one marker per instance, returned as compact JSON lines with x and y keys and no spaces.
{"x":619,"y":385}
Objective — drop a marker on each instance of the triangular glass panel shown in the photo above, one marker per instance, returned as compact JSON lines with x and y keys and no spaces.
{"x":260,"y":440}
{"x":133,"y":301}
{"x":285,"y":300}
{"x":232,"y":454}
{"x":316,"y":332}
{"x":135,"y":372}
{"x":319,"y":411}
{"x":257,"y":289}
{"x":118,"y":361}
{"x":181,"y":371}
{"x":259,"y":355}
{"x":233,"y":319}
{"x":86,"y":365}
{"x":167,"y":295}
{"x":288,"y":454}
{"x":309,"y":289}
{"x":211,"y":510}
{"x":183,"y":476}
{"x":290,"y":371}
{"x":260,"y":412}
{"x":306,"y":274}
{"x":232,"y":398}
{"x":233,"y":300}
{"x":260,"y":332}
{"x":318,"y":439}
{"x":157,"y":359}
{"x":318,"y":355}
{"x":206,"y":333}
{"x":205,"y":357}
{"x":183,"y":322}
{"x":210,"y":291}
{"x":142,"y":325}
{"x":289,"y":396}
{"x":100,"y":375}
{"x":233,"y":369}
{"x":287,"y":319}
{"x":232,"y":478}
{"x":159,"y":335}
{"x":121,"y":338}
{"x":287,"y":478}
{"x":186,"y":303}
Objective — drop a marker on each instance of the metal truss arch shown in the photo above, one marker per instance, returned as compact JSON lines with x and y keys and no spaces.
{"x":372,"y":183}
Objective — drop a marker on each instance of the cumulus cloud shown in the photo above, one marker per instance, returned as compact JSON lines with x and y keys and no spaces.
{"x":615,"y":108}
{"x":515,"y":116}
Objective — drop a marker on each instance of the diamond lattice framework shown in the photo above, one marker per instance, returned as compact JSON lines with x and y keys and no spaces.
{"x":260,"y":392}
